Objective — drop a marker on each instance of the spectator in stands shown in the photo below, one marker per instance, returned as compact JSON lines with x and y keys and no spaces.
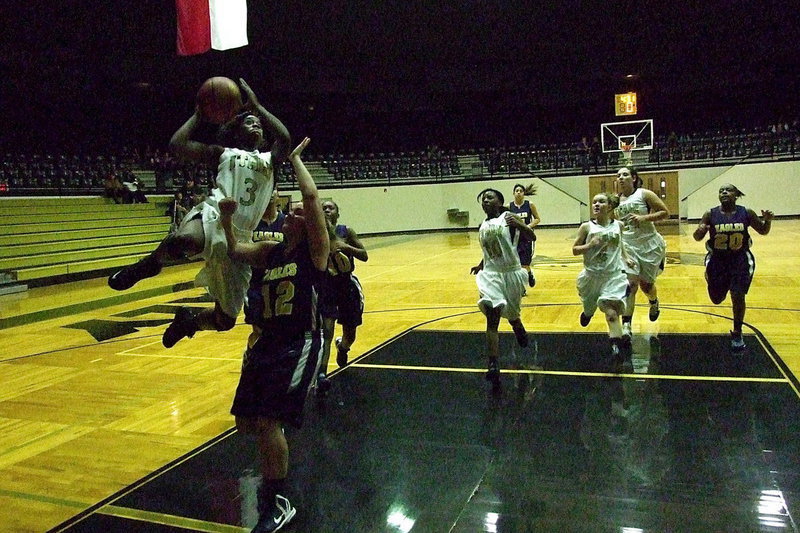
{"x":672,"y":143}
{"x":192,"y":193}
{"x":135,"y":189}
{"x":246,"y":175}
{"x":584,"y":154}
{"x":342,"y":298}
{"x":114,"y":189}
{"x":596,"y":153}
{"x":176,"y":210}
{"x":730,"y":263}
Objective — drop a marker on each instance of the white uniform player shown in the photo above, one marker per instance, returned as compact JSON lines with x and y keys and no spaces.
{"x":643,"y":243}
{"x":248,"y":178}
{"x":244,"y":174}
{"x":639,"y":208}
{"x":502,"y":281}
{"x":602,"y":280}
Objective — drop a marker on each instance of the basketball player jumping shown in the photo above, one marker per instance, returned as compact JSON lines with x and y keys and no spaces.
{"x":244,"y":174}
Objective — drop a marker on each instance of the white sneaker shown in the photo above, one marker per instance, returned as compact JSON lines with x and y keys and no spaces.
{"x":282,"y":514}
{"x":737,"y":342}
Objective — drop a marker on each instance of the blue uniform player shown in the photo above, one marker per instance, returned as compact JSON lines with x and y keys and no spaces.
{"x":729,"y":262}
{"x":530,"y":216}
{"x":279,"y":369}
{"x":342,"y":299}
{"x":269,"y":228}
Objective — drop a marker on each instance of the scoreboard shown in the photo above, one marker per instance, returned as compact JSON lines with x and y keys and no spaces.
{"x":625,"y":104}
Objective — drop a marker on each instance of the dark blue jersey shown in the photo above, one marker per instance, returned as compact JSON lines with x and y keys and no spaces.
{"x":288,"y":289}
{"x":270,"y":231}
{"x":525,"y":212}
{"x":265,"y":231}
{"x":728,"y":234}
{"x":340,"y":264}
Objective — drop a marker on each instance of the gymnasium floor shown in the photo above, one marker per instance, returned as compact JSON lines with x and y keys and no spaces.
{"x":105,"y":430}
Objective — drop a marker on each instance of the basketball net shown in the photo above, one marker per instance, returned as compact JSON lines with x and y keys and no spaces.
{"x":627,"y":152}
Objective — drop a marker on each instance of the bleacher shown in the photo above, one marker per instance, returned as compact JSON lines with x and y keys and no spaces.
{"x":46,"y":240}
{"x":55,"y":224}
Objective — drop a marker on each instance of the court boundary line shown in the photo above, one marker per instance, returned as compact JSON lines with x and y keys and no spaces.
{"x":166,"y":519}
{"x":63,"y":526}
{"x":572,"y":373}
{"x":789,"y":377}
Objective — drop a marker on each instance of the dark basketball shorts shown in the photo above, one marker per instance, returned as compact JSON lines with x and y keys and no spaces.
{"x":732,"y":274}
{"x":276,"y":378}
{"x":525,"y":252}
{"x":345,"y":303}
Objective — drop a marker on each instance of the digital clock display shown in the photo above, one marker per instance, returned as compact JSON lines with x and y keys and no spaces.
{"x":625,"y":104}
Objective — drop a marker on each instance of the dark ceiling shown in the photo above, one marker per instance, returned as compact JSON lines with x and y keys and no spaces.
{"x":372,"y":75}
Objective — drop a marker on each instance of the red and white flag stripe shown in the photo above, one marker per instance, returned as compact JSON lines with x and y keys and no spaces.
{"x":206,"y":24}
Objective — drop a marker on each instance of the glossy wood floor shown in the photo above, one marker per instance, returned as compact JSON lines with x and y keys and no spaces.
{"x":90,"y":402}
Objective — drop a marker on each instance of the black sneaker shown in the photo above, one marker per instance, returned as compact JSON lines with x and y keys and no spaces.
{"x":585,"y":319}
{"x":280,"y":515}
{"x":341,"y":355}
{"x":129,"y":276}
{"x":323,"y":384}
{"x":521,"y":335}
{"x":182,"y":326}
{"x":654,"y":311}
{"x":493,"y":373}
{"x":626,"y":354}
{"x":531,"y":280}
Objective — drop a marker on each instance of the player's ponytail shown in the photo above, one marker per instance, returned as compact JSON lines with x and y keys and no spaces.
{"x":637,"y":180}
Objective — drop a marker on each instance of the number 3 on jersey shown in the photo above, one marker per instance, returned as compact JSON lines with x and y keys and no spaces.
{"x":251,"y":191}
{"x":284,"y":293}
{"x":728,"y":241}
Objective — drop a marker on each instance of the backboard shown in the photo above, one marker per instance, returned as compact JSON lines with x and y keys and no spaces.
{"x":636,"y":134}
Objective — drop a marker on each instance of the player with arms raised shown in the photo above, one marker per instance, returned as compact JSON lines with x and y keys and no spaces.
{"x":243,"y":173}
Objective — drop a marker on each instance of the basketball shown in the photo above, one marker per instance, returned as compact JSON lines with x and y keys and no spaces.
{"x":219,"y":99}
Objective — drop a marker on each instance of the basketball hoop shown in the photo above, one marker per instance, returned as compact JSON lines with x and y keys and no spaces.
{"x":627,"y":151}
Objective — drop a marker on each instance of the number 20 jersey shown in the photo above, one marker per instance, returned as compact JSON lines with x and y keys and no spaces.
{"x":247,"y":177}
{"x":728,"y":234}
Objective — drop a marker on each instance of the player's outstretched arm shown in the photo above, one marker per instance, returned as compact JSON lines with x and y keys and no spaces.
{"x":580,"y":246}
{"x":182,"y":145}
{"x":477,"y":268}
{"x":516,"y":222}
{"x":253,"y":254}
{"x":282,"y":144}
{"x":353,"y":246}
{"x":316,"y":225}
{"x":762,"y":225}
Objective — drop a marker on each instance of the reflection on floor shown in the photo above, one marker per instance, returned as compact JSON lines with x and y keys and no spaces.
{"x":410,"y":438}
